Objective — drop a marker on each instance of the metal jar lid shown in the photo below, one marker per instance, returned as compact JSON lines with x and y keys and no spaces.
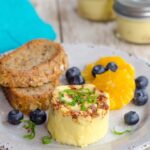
{"x":133,"y":8}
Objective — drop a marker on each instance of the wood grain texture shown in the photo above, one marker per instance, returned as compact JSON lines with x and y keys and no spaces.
{"x":47,"y":9}
{"x":78,"y":30}
{"x":71,"y":28}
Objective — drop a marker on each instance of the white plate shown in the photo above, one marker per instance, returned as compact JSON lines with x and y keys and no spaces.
{"x":80,"y":55}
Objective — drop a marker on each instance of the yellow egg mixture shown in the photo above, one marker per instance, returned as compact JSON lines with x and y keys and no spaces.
{"x":71,"y":123}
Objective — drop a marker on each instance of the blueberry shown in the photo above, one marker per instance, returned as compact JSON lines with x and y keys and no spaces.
{"x":99,"y":69}
{"x":131,"y":118}
{"x":15,"y":117}
{"x":112,"y":66}
{"x":72,"y":72}
{"x":77,"y":80}
{"x":140,"y":97}
{"x":38,"y":116}
{"x":141,"y":82}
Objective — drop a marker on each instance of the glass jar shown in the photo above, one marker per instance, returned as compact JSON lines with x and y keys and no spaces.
{"x":96,"y":10}
{"x":133,"y":20}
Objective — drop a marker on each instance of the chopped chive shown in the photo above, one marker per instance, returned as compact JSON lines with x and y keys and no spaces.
{"x":79,"y":96}
{"x":30,"y":136}
{"x":30,"y":127}
{"x":82,"y":100}
{"x":89,"y":100}
{"x":47,"y":139}
{"x":94,"y":98}
{"x":83,"y":108}
{"x":61,"y":94}
{"x":73,"y":103}
{"x":114,"y":131}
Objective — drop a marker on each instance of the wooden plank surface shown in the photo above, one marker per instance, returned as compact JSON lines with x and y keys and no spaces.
{"x":71,"y":28}
{"x":47,"y":9}
{"x":78,"y":30}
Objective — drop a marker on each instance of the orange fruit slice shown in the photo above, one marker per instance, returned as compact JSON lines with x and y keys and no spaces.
{"x":119,"y":61}
{"x":120,"y":84}
{"x":87,"y":73}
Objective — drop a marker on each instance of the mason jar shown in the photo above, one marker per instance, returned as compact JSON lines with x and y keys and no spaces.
{"x":96,"y":10}
{"x":133,"y":20}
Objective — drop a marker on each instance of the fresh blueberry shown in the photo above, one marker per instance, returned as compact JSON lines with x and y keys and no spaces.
{"x":99,"y":69}
{"x":131,"y":118}
{"x":141,"y":82}
{"x":112,"y":66}
{"x":140,"y":97}
{"x":77,"y":80}
{"x":38,"y":116}
{"x":15,"y":117}
{"x":72,"y":72}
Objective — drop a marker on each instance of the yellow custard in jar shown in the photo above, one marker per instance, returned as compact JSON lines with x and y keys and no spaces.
{"x":133,"y":30}
{"x":133,"y":21}
{"x":96,"y":10}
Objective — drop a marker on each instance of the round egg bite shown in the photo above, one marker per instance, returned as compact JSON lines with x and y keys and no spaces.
{"x":78,"y":115}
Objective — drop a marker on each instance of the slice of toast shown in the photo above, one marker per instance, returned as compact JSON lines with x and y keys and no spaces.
{"x":35,"y":63}
{"x":28,"y":99}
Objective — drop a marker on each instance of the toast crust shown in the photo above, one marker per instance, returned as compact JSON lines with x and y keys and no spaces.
{"x":27,"y":102}
{"x":38,"y":75}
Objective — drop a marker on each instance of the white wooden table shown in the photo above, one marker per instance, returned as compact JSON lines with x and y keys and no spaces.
{"x":71,"y":28}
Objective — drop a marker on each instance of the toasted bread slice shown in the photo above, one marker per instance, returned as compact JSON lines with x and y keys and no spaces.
{"x":33,"y":64}
{"x":28,"y":99}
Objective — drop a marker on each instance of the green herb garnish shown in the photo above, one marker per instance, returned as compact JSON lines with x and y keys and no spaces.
{"x":114,"y":131}
{"x":47,"y":139}
{"x":79,"y":96}
{"x":83,"y":108}
{"x":30,"y":127}
{"x":73,"y":103}
{"x":61,"y":95}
